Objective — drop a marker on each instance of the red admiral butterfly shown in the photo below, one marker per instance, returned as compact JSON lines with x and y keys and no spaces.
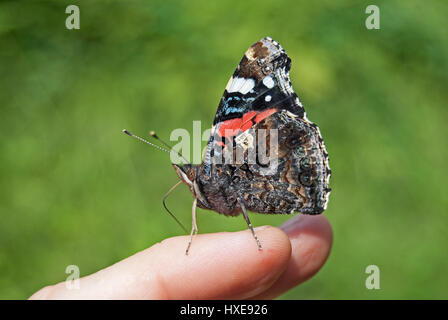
{"x":259,"y":98}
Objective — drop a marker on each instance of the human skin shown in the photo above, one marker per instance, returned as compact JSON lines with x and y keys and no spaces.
{"x":224,"y":265}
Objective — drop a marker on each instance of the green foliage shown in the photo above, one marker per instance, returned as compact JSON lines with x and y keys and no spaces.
{"x":75,"y":190}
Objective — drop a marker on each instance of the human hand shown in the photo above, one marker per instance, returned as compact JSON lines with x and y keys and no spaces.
{"x":225,"y":265}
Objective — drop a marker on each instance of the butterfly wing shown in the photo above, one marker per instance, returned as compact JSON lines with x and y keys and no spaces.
{"x":258,"y":96}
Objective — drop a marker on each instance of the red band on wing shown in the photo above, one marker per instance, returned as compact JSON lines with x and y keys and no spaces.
{"x":248,"y":116}
{"x":231,"y":127}
{"x":265,"y":114}
{"x":247,"y":120}
{"x":247,"y":125}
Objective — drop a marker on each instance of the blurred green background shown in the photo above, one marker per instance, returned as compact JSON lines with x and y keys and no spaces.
{"x":75,"y":190}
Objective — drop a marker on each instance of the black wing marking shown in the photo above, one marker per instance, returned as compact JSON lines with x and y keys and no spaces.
{"x":261,"y":81}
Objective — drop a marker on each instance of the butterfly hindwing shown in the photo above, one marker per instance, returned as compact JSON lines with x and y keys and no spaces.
{"x":288,"y":170}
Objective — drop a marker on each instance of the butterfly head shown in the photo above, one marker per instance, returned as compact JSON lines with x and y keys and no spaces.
{"x":188,"y":173}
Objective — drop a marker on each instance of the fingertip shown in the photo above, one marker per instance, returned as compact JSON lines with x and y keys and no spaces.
{"x":311,"y":239}
{"x":312,"y":232}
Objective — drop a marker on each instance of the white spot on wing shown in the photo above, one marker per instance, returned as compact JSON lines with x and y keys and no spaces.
{"x":236,"y":84}
{"x":241,"y":85}
{"x":267,"y":98}
{"x":248,"y":85}
{"x":268,"y":82}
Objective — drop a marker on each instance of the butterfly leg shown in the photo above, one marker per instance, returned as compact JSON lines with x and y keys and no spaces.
{"x":246,"y":217}
{"x":194,"y":226}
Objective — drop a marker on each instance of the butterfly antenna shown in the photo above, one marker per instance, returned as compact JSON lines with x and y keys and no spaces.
{"x":155,"y":136}
{"x":147,"y":142}
{"x":171,"y":214}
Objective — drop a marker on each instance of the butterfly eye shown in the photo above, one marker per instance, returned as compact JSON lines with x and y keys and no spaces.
{"x":300,"y":151}
{"x":306,"y":179}
{"x":305,"y":163}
